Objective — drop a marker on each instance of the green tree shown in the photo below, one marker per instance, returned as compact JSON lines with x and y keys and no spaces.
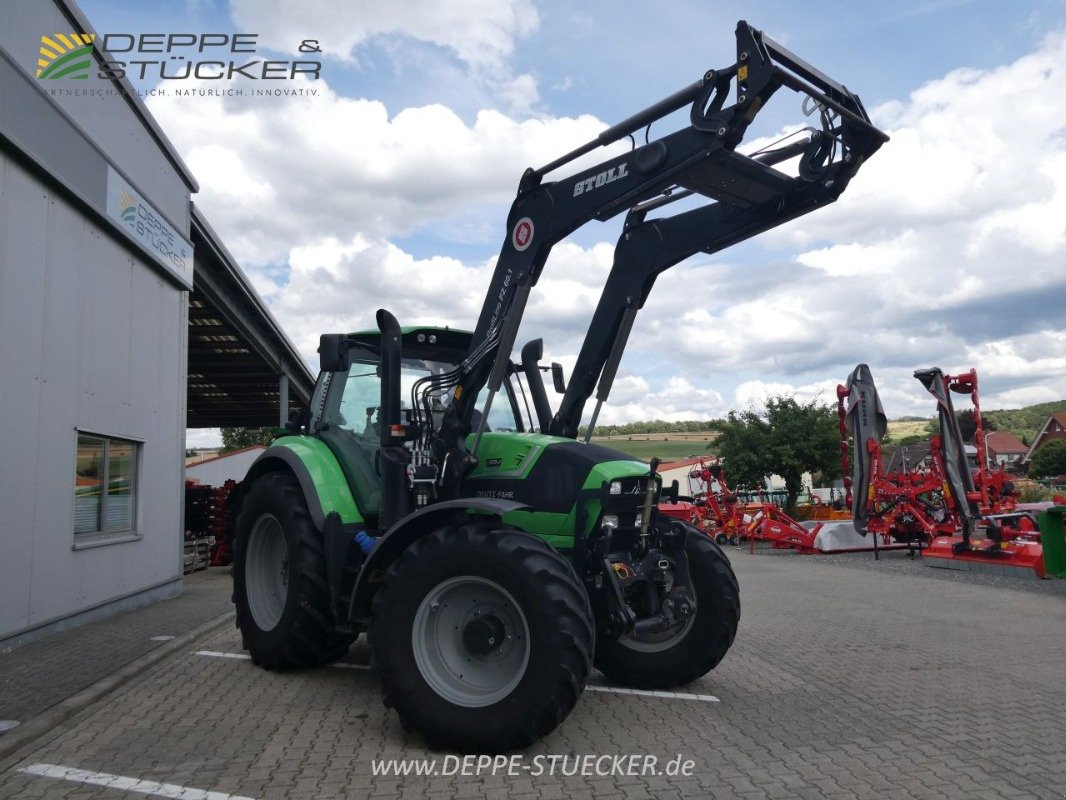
{"x":239,"y":438}
{"x":787,"y":439}
{"x":1049,"y":460}
{"x":967,"y":426}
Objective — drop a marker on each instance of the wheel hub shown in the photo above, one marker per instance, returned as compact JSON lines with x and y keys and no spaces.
{"x":470,"y":640}
{"x":483,"y":634}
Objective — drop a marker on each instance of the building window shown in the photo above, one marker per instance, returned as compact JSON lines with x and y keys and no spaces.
{"x":105,"y":488}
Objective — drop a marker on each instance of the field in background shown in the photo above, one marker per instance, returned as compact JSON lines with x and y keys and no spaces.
{"x":665,"y":446}
{"x":897,"y":429}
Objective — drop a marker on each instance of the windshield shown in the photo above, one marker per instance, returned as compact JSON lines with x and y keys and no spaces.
{"x":353,"y":399}
{"x":502,"y":415}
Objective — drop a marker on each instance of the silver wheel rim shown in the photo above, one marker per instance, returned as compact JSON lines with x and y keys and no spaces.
{"x":659,"y":641}
{"x":266,"y":572}
{"x":470,"y":641}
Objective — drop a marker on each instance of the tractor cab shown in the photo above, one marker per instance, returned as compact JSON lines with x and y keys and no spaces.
{"x":346,"y":405}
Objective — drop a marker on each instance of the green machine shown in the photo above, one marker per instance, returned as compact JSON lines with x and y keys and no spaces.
{"x":490,"y":557}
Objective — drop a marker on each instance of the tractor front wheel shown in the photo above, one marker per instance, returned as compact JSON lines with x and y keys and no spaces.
{"x":677,"y":656}
{"x":279,"y":580}
{"x":482,"y":637}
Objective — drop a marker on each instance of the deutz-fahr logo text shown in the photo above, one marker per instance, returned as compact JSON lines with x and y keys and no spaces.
{"x":605,"y":177}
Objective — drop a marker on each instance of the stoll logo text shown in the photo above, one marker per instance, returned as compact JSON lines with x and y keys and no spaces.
{"x":169,"y":56}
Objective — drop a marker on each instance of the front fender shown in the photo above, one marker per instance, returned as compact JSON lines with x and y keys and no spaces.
{"x":406,"y":531}
{"x":318,"y":472}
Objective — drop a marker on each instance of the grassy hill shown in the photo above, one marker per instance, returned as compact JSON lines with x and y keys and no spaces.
{"x":634,"y":438}
{"x":1025,"y":423}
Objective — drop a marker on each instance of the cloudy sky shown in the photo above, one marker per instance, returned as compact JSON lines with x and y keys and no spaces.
{"x":390,"y":186}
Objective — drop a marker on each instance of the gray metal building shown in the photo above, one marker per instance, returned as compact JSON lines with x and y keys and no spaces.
{"x":97,"y":277}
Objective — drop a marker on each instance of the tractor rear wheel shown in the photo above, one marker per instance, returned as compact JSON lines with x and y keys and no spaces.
{"x":482,"y":637}
{"x":279,"y":580}
{"x":692,"y":649}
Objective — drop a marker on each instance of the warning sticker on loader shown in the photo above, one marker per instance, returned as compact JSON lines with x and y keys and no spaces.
{"x":522,"y":234}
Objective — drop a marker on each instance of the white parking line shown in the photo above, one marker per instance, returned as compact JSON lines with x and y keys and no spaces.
{"x":214,"y":654}
{"x":703,"y":698}
{"x":246,"y":657}
{"x":124,"y":784}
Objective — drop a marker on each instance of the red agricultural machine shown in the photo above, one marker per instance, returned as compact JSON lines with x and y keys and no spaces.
{"x":711,"y":505}
{"x":716,"y":509}
{"x":981,"y":500}
{"x":898,"y":508}
{"x":942,"y":507}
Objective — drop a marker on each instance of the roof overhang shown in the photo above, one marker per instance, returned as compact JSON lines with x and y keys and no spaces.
{"x":242,"y":367}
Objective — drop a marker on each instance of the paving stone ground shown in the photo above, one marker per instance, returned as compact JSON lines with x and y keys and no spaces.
{"x":36,"y":676}
{"x":849,"y":679}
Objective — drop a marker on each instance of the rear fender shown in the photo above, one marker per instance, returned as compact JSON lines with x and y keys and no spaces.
{"x":319,"y":474}
{"x":412,"y":527}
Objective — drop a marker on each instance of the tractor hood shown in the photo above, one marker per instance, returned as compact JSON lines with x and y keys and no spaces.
{"x":547,"y":473}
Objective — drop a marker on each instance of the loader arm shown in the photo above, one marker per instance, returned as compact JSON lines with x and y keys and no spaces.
{"x":647,"y":248}
{"x":699,"y":159}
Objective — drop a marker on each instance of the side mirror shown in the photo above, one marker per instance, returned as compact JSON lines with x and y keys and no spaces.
{"x":557,"y":377}
{"x":333,"y":352}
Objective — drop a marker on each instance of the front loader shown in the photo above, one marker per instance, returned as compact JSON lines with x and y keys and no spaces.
{"x":490,"y":556}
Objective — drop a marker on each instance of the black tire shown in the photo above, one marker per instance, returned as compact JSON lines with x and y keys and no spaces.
{"x":548,"y":599}
{"x":706,"y":641}
{"x":721,"y":539}
{"x":305,"y":635}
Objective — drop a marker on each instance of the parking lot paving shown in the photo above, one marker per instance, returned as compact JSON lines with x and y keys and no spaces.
{"x":848,"y":679}
{"x":37,"y":675}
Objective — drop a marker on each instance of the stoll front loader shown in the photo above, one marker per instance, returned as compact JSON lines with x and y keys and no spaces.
{"x":492,"y":559}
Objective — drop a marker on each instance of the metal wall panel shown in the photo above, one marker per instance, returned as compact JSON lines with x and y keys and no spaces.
{"x":91,"y":337}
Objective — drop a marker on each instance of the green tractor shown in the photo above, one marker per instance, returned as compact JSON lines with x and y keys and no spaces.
{"x":491,"y":557}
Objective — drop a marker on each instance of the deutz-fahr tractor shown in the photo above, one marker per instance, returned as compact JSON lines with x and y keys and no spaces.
{"x":491,"y":557}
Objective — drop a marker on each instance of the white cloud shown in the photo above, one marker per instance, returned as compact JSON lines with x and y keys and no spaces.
{"x":678,"y":399}
{"x":756,"y":392}
{"x":481,"y":33}
{"x":278,"y":173}
{"x":946,"y":249}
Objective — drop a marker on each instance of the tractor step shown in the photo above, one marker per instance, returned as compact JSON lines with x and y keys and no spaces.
{"x":1013,"y":559}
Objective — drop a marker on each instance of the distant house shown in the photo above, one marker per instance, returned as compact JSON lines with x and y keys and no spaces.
{"x":1004,"y":449}
{"x":1054,"y":428}
{"x":678,"y":471}
{"x":229,"y":466}
{"x":906,"y":457}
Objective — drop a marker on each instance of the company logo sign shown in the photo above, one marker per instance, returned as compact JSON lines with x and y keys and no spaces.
{"x":127,"y":208}
{"x":65,"y":55}
{"x":171,"y":56}
{"x":148,"y":228}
